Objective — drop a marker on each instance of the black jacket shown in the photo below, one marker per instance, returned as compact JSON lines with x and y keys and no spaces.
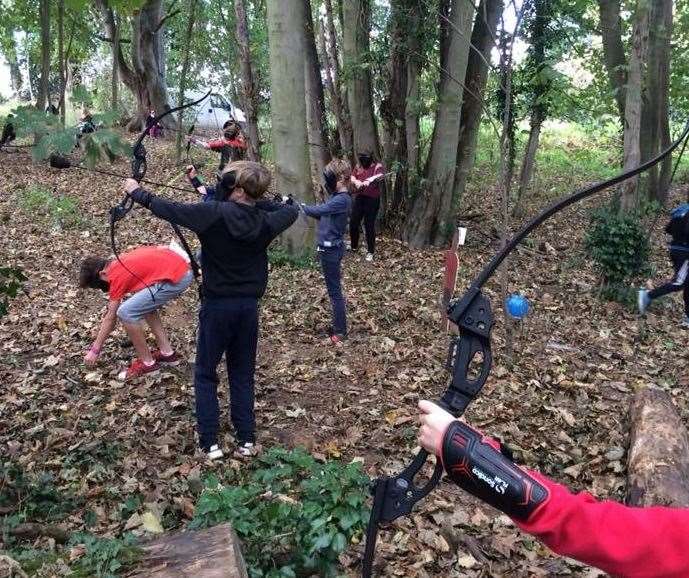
{"x":234,"y":239}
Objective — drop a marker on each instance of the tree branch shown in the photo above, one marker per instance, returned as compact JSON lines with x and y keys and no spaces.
{"x":110,"y":40}
{"x":166,"y":17}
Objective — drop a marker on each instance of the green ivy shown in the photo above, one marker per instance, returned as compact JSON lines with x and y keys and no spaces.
{"x":619,"y":246}
{"x":11,"y":281}
{"x":295,"y":515}
{"x":104,"y":557}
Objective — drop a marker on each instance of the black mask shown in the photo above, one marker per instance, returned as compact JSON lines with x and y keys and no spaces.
{"x":330,"y":180}
{"x":226,"y":184}
{"x":365,"y":160}
{"x":104,"y":286}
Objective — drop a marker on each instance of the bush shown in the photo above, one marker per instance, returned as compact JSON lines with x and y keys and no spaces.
{"x":295,"y":516}
{"x":278,"y":257}
{"x":104,"y":557}
{"x":619,"y":246}
{"x":60,"y":210}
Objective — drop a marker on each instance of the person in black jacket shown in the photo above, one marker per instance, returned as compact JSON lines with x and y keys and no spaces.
{"x":678,"y":229}
{"x":235,"y":230}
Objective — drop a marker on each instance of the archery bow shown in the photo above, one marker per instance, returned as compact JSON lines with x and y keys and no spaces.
{"x":139,"y":167}
{"x":394,"y":497}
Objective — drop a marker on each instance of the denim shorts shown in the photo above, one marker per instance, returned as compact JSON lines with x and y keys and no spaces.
{"x":144,"y":301}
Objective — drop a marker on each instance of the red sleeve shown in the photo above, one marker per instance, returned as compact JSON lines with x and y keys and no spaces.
{"x":236,"y":143}
{"x":217,"y":144}
{"x":378,"y":170}
{"x":620,"y":540}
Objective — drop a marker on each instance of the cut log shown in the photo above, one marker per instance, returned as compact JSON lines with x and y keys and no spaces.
{"x":211,"y":553}
{"x":658,"y":460}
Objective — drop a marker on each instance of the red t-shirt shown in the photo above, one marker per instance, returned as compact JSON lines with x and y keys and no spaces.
{"x":361,"y":174}
{"x":151,"y":265}
{"x":221,"y":143}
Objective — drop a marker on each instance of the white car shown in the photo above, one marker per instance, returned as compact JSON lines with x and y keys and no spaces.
{"x":213,"y":112}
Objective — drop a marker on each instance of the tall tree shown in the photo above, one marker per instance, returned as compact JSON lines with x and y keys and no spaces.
{"x":249,"y":92}
{"x":356,"y":28}
{"x":144,"y":75}
{"x":288,"y":110}
{"x":191,"y":18}
{"x":44,"y":86}
{"x":61,"y":57}
{"x":633,"y":104}
{"x":613,"y":50}
{"x":315,"y":99}
{"x":430,"y":218}
{"x":483,"y":40}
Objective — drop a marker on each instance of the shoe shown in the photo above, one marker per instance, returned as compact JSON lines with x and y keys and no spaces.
{"x":685,"y":322}
{"x":246,"y":450}
{"x":348,"y":245}
{"x":643,"y":301}
{"x":337,"y":338}
{"x":138,"y":369}
{"x":172,"y":359}
{"x":213,"y":452}
{"x":369,"y":257}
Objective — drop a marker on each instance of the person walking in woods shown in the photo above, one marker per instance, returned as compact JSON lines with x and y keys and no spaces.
{"x":620,"y":540}
{"x":678,"y":229}
{"x":155,"y":130}
{"x":332,"y":218}
{"x":366,"y":179}
{"x":154,"y":276}
{"x":231,"y":146}
{"x":235,"y":230}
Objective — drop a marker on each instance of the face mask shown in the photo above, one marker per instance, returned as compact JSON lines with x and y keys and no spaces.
{"x":330,"y":180}
{"x":104,"y":286}
{"x":365,"y":161}
{"x":226,"y":184}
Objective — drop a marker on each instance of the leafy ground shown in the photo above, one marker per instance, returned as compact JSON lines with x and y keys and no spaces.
{"x":117,"y":450}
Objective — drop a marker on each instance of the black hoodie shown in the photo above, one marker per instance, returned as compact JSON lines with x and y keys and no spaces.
{"x":234,"y":240}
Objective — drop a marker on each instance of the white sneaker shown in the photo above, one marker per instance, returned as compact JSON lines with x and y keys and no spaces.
{"x":245,"y":450}
{"x":369,"y":257}
{"x":685,"y":322}
{"x":214,"y":452}
{"x":348,"y":245}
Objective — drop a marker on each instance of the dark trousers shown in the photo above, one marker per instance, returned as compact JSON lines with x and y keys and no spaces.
{"x":680,"y":282}
{"x":365,"y":208}
{"x":331,"y":265}
{"x":228,"y":326}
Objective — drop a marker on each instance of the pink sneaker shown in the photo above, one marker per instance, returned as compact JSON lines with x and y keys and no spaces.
{"x":138,"y":369}
{"x":172,"y":359}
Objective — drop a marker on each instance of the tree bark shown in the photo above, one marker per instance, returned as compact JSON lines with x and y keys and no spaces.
{"x":356,"y":27}
{"x":249,"y":93}
{"x":61,"y":57}
{"x":115,"y":86}
{"x":288,"y":111}
{"x":485,"y":26}
{"x":191,"y":18}
{"x":44,"y":87}
{"x":658,"y":458}
{"x":333,"y":78}
{"x":629,"y":199}
{"x":613,"y":51}
{"x":430,"y":219}
{"x":315,"y":100}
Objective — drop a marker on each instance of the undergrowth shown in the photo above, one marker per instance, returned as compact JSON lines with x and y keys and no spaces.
{"x":59,"y":210}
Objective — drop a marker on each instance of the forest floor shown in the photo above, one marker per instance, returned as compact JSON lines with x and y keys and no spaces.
{"x":561,"y":401}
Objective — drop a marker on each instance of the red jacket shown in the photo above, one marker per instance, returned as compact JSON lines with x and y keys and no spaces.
{"x":621,"y":540}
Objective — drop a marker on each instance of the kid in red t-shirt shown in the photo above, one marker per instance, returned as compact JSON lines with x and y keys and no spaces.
{"x":153,"y":276}
{"x":231,"y":146}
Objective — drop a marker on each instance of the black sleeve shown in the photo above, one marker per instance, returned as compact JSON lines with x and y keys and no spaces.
{"x":194,"y":216}
{"x":268,"y":206}
{"x":281,"y":218}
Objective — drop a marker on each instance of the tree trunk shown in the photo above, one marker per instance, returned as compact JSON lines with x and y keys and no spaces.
{"x":61,"y":57}
{"x":430,"y":219}
{"x":249,"y":92}
{"x":44,"y":87}
{"x":191,"y":18}
{"x":613,"y":51}
{"x":144,"y":77}
{"x":333,"y":77}
{"x":629,"y":199}
{"x":655,"y":109}
{"x":16,"y":80}
{"x":115,"y":86}
{"x":485,"y":26}
{"x":356,"y":27}
{"x":540,"y":83}
{"x":211,"y":553}
{"x":315,"y":100}
{"x":288,"y":111}
{"x":658,"y":459}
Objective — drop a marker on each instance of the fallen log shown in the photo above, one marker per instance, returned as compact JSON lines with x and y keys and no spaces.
{"x":658,"y":458}
{"x":211,"y":553}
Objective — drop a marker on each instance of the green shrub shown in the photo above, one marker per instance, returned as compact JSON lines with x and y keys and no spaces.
{"x":618,"y":244}
{"x":279,"y":257}
{"x":104,"y":557}
{"x":294,"y":515}
{"x":59,"y":210}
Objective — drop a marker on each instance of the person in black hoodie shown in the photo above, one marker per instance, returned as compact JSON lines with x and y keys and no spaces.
{"x":235,"y":230}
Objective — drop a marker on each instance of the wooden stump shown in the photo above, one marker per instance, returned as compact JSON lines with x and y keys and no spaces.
{"x":658,"y":460}
{"x":211,"y":553}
